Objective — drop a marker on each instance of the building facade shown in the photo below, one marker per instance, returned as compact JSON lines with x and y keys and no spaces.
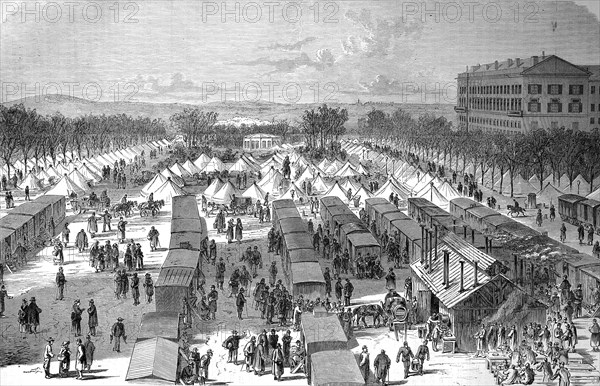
{"x":518,"y":95}
{"x":261,"y":141}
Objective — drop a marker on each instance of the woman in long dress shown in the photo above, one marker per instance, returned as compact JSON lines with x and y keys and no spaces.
{"x":238,"y":230}
{"x":230,"y":228}
{"x":80,"y":360}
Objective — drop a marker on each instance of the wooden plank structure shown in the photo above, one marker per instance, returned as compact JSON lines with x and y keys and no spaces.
{"x":363,"y":243}
{"x":154,"y":360}
{"x":388,"y":218}
{"x":416,"y":204}
{"x":370,"y":203}
{"x":459,"y":280}
{"x":459,"y":206}
{"x":277,"y":206}
{"x":411,"y":237}
{"x":59,"y":206}
{"x":475,"y":217}
{"x":185,"y":206}
{"x":335,"y":368}
{"x":23,"y":228}
{"x":307,"y":280}
{"x":160,"y":324}
{"x":284,"y":213}
{"x":173,"y":284}
{"x":321,"y":334}
{"x":297,"y":247}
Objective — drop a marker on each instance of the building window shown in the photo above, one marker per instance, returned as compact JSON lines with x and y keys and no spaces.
{"x":555,"y":106}
{"x":592,"y":89}
{"x":534,"y":106}
{"x":592,"y":107}
{"x":592,"y":120}
{"x":576,"y":89}
{"x":534,"y":88}
{"x":575,"y":106}
{"x":555,"y":89}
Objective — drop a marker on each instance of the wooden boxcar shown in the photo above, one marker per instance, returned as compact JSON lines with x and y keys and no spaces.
{"x":335,"y":368}
{"x":567,"y":207}
{"x":493,"y":222}
{"x":184,"y":225}
{"x":185,"y":207}
{"x":307,"y":280}
{"x":282,"y":213}
{"x":282,"y":203}
{"x":59,"y":207}
{"x":348,"y":229}
{"x":41,"y":214}
{"x":330,"y":201}
{"x":328,"y":214}
{"x":185,"y":240}
{"x":388,"y":218}
{"x":590,"y":279}
{"x":415,"y":206}
{"x":578,"y":266}
{"x":516,"y":229}
{"x":476,"y":217}
{"x":410,"y":237}
{"x":297,"y":247}
{"x":338,"y":221}
{"x":160,"y":324}
{"x":6,"y":245}
{"x":459,"y":206}
{"x":378,"y":211}
{"x":434,"y":216}
{"x":321,"y":334}
{"x":23,"y":227}
{"x":363,"y":243}
{"x":173,"y":284}
{"x":370,"y":202}
{"x":292,"y":225}
{"x":588,"y":212}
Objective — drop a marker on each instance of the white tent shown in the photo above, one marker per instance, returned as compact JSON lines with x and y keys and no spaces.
{"x":564,"y":182}
{"x":174,"y":177}
{"x":215,"y":165}
{"x":64,"y":187}
{"x":240,"y":165}
{"x":293,"y":192}
{"x":268,"y":166}
{"x":152,"y":186}
{"x":306,"y":175}
{"x":89,"y":174}
{"x":32,"y":181}
{"x":191,"y":167}
{"x":224,"y":195}
{"x":346,"y":171}
{"x":521,"y":187}
{"x":271,"y":182}
{"x":595,"y":195}
{"x":534,"y":181}
{"x":448,"y":191}
{"x":348,"y":184}
{"x":362,"y":194}
{"x":336,"y":191}
{"x":79,"y":179}
{"x":255,"y":192}
{"x":43,"y":176}
{"x":361,"y":170}
{"x":324,"y":164}
{"x":213,"y":188}
{"x":579,"y":186}
{"x":319,"y":185}
{"x":168,"y":190}
{"x":388,"y":188}
{"x":549,"y":195}
{"x":180,"y":170}
{"x":424,"y":181}
{"x":202,"y":161}
{"x":433,"y":195}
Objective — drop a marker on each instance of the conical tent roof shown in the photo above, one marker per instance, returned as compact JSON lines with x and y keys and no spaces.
{"x":271,"y":166}
{"x":79,"y":179}
{"x":505,"y":182}
{"x":32,"y":181}
{"x":174,"y":177}
{"x":239,"y":166}
{"x":254,"y":166}
{"x":348,"y":184}
{"x":346,"y":171}
{"x":89,"y":174}
{"x":595,"y":195}
{"x":387,"y":189}
{"x":363,"y":194}
{"x":180,"y":170}
{"x":213,"y":188}
{"x":433,"y":194}
{"x":307,"y":174}
{"x":152,"y":186}
{"x":448,"y":191}
{"x":255,"y":192}
{"x":224,"y":195}
{"x":332,"y":169}
{"x":168,"y":190}
{"x":324,"y":164}
{"x":271,"y":182}
{"x":564,"y":182}
{"x":319,"y":185}
{"x":336,"y":191}
{"x":202,"y":161}
{"x":521,"y":187}
{"x":580,"y":185}
{"x":43,"y":176}
{"x":298,"y":192}
{"x":64,"y":187}
{"x":424,"y":181}
{"x":191,"y":167}
{"x":61,"y":169}
{"x":361,"y":170}
{"x":534,"y":180}
{"x":549,"y":195}
{"x":215,"y":165}
{"x":271,"y":161}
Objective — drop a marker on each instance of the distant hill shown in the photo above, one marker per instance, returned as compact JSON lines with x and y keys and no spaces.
{"x":73,"y":107}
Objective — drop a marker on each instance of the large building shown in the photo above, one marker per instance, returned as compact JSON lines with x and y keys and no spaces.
{"x":518,"y":95}
{"x":261,"y":141}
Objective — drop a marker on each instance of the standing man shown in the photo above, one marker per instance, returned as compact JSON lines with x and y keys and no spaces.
{"x":89,"y":348}
{"x":286,"y":341}
{"x":153,"y":237}
{"x":364,"y":364}
{"x":348,"y":290}
{"x":232,"y":343}
{"x":116,"y":332}
{"x":27,"y":193}
{"x":563,"y":375}
{"x":106,"y":217}
{"x":76,"y":317}
{"x":81,"y":241}
{"x":422,"y":354}
{"x":339,"y":288}
{"x":149,"y":286}
{"x":249,"y":351}
{"x":60,"y":284}
{"x":240,"y":302}
{"x":273,"y":273}
{"x":277,"y":359}
{"x":204,"y":363}
{"x":135,"y":289}
{"x":65,"y":234}
{"x":405,"y":355}
{"x":327,"y":277}
{"x":3,"y":294}
{"x":48,"y":355}
{"x":382,"y":366}
{"x":92,"y":225}
{"x":213,"y":295}
{"x":220,"y":273}
{"x":33,"y":315}
{"x":121,"y":227}
{"x":92,"y":317}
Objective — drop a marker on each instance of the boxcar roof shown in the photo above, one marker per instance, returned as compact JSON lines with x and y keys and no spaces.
{"x":297,"y":241}
{"x":159,"y":324}
{"x":341,"y":209}
{"x":14,"y":221}
{"x":363,"y":239}
{"x":420,"y":202}
{"x":307,"y":272}
{"x":181,"y":258}
{"x":517,"y":229}
{"x":303,"y":255}
{"x":570,"y":198}
{"x":397,"y":215}
{"x":154,"y":358}
{"x":593,"y":270}
{"x":435,"y":211}
{"x":4,"y":233}
{"x":192,"y":237}
{"x":279,"y":204}
{"x":337,"y":367}
{"x":499,"y":219}
{"x":187,"y":224}
{"x":49,"y":198}
{"x":411,"y":230}
{"x":293,"y":225}
{"x":464,"y":203}
{"x":344,"y":218}
{"x":31,"y":208}
{"x":590,"y":202}
{"x":185,"y":207}
{"x":175,"y":277}
{"x":579,"y":260}
{"x":287,"y":213}
{"x":482,"y":211}
{"x":331,"y":201}
{"x":375,"y":201}
{"x":321,"y":330}
{"x":354,"y":227}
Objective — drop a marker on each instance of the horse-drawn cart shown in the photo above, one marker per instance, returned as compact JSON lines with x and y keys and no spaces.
{"x":150,"y":208}
{"x":82,"y":205}
{"x":238,"y":206}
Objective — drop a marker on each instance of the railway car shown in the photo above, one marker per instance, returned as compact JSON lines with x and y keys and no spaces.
{"x":434,"y":216}
{"x":185,"y":207}
{"x":589,"y":280}
{"x":410,"y":234}
{"x":459,"y":206}
{"x":41,"y":214}
{"x":348,"y":229}
{"x":588,"y":212}
{"x":297,"y":247}
{"x":363,"y":243}
{"x":516,"y":229}
{"x":328,"y":213}
{"x":342,"y":219}
{"x":416,"y":204}
{"x":173,"y":285}
{"x":388,"y":218}
{"x":22,"y":228}
{"x":292,"y":225}
{"x":493,"y":222}
{"x":282,"y":203}
{"x":335,"y":368}
{"x":379,"y":211}
{"x":59,"y":207}
{"x":476,"y":217}
{"x":321,"y":334}
{"x":283,"y":213}
{"x":370,"y":202}
{"x":160,"y":324}
{"x":567,"y":207}
{"x":306,"y":279}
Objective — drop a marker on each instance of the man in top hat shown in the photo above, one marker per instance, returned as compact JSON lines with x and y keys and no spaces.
{"x":92,"y":317}
{"x":33,"y":315}
{"x":48,"y":355}
{"x":116,"y":332}
{"x":232,"y":343}
{"x":76,"y":317}
{"x":89,"y":348}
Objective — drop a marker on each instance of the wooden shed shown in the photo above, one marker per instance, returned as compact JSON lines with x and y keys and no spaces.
{"x":173,"y":284}
{"x":160,"y":325}
{"x":154,"y":360}
{"x":59,"y":207}
{"x":378,"y":211}
{"x":307,"y":280}
{"x":349,"y":229}
{"x":321,"y":334}
{"x":459,"y":206}
{"x":363,"y":244}
{"x":588,"y":212}
{"x":297,"y":247}
{"x":370,"y":202}
{"x":335,"y":368}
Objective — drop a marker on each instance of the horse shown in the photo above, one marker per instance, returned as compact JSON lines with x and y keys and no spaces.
{"x":374,"y":310}
{"x":123,"y":209}
{"x":515,"y":211}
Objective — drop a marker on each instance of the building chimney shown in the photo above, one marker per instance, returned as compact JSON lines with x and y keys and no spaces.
{"x":435,"y":241}
{"x":509,"y":61}
{"x":446,"y":268}
{"x":516,"y":269}
{"x":475,"y":282}
{"x":532,"y":285}
{"x":473,"y":236}
{"x":535,"y":59}
{"x":462,"y":276}
{"x":422,"y":244}
{"x":543,"y":54}
{"x":518,"y":61}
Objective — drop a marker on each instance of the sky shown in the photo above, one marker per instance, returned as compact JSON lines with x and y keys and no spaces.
{"x":285,"y":52}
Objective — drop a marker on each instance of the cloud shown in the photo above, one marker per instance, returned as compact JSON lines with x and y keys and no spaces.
{"x":323,"y":59}
{"x":382,"y":85}
{"x":291,"y":46}
{"x":177,"y":84}
{"x":379,"y":36}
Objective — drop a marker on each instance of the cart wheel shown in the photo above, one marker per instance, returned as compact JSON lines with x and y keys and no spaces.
{"x":79,"y":210}
{"x":154,"y":212}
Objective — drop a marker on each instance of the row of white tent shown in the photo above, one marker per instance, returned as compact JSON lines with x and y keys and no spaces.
{"x":77,"y":176}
